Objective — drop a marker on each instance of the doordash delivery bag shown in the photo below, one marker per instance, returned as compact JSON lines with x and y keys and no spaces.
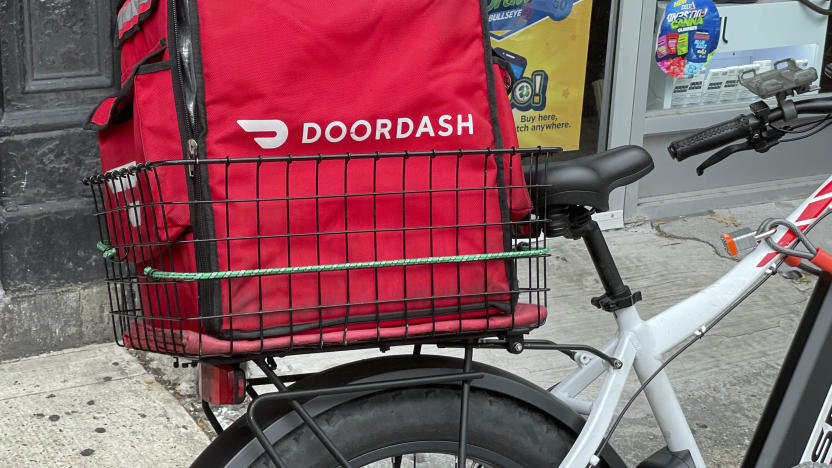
{"x":221,"y":87}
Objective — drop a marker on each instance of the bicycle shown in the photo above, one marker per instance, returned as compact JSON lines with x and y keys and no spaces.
{"x":377,"y":412}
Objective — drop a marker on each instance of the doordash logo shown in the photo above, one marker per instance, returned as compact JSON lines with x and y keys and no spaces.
{"x":379,"y":129}
{"x":277,"y":127}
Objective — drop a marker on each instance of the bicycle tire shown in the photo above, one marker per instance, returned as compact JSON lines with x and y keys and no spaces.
{"x":502,"y":431}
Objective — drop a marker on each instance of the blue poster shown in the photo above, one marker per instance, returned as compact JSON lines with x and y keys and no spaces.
{"x":509,"y":16}
{"x":688,"y":36}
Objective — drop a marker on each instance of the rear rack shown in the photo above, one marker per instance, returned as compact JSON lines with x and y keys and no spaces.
{"x":425,"y":244}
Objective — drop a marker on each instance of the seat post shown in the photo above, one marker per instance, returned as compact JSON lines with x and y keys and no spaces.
{"x":603,"y":261}
{"x":617,"y":295}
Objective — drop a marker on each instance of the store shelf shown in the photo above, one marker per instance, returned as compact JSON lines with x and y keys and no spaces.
{"x":689,"y":119}
{"x":684,"y":119}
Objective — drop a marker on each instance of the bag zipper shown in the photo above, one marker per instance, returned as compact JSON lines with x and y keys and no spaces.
{"x":201,"y":213}
{"x":193,"y":146}
{"x":192,"y":153}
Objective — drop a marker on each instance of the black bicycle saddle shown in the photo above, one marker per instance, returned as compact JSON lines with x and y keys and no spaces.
{"x":588,"y":180}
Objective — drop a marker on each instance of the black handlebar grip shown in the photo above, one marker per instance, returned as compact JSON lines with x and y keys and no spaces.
{"x":714,"y":137}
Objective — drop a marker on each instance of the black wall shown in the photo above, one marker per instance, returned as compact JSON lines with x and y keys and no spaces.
{"x":57,"y":61}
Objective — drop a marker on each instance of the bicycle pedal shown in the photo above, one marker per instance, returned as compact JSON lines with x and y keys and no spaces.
{"x":739,"y":241}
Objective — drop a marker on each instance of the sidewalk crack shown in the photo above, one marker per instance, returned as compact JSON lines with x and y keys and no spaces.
{"x":71,"y":387}
{"x":657,"y":226}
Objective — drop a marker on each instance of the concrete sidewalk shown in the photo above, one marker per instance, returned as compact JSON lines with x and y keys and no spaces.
{"x":722,"y":382}
{"x":94,"y":406}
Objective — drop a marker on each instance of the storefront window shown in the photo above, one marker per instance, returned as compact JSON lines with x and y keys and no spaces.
{"x":752,"y":36}
{"x":597,"y":83}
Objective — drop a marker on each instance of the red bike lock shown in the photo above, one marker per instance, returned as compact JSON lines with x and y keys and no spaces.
{"x":822,"y":260}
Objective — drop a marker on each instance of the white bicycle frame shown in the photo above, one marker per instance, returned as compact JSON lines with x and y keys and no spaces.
{"x":641,"y":344}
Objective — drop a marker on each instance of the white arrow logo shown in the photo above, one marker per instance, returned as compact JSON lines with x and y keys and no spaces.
{"x":280,"y":130}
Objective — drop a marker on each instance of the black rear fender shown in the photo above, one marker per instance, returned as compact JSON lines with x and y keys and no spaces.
{"x":277,"y":418}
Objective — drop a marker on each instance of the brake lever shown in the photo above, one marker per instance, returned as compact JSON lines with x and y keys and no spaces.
{"x":761,"y":143}
{"x":720,"y":155}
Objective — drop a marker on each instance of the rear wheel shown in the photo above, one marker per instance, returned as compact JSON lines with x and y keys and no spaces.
{"x":419,"y":427}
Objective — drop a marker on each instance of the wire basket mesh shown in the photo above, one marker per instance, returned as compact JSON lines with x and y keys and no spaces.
{"x":280,"y":255}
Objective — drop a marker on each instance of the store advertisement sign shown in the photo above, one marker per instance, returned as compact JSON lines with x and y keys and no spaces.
{"x":545,"y":43}
{"x":688,"y":37}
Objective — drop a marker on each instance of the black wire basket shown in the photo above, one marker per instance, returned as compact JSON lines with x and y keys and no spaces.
{"x":236,"y":257}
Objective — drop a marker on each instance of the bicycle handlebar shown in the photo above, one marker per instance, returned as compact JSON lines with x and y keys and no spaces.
{"x":714,"y":137}
{"x":744,"y":126}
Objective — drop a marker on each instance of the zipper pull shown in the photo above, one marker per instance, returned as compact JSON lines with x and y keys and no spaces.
{"x":192,"y":146}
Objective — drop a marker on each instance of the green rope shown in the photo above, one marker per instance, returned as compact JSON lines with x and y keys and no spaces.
{"x":522,"y":252}
{"x":106,"y":251}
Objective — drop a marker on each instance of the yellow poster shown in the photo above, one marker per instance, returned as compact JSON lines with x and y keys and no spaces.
{"x":545,"y":43}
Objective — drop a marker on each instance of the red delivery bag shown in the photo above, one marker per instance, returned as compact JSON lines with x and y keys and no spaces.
{"x":212,"y":92}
